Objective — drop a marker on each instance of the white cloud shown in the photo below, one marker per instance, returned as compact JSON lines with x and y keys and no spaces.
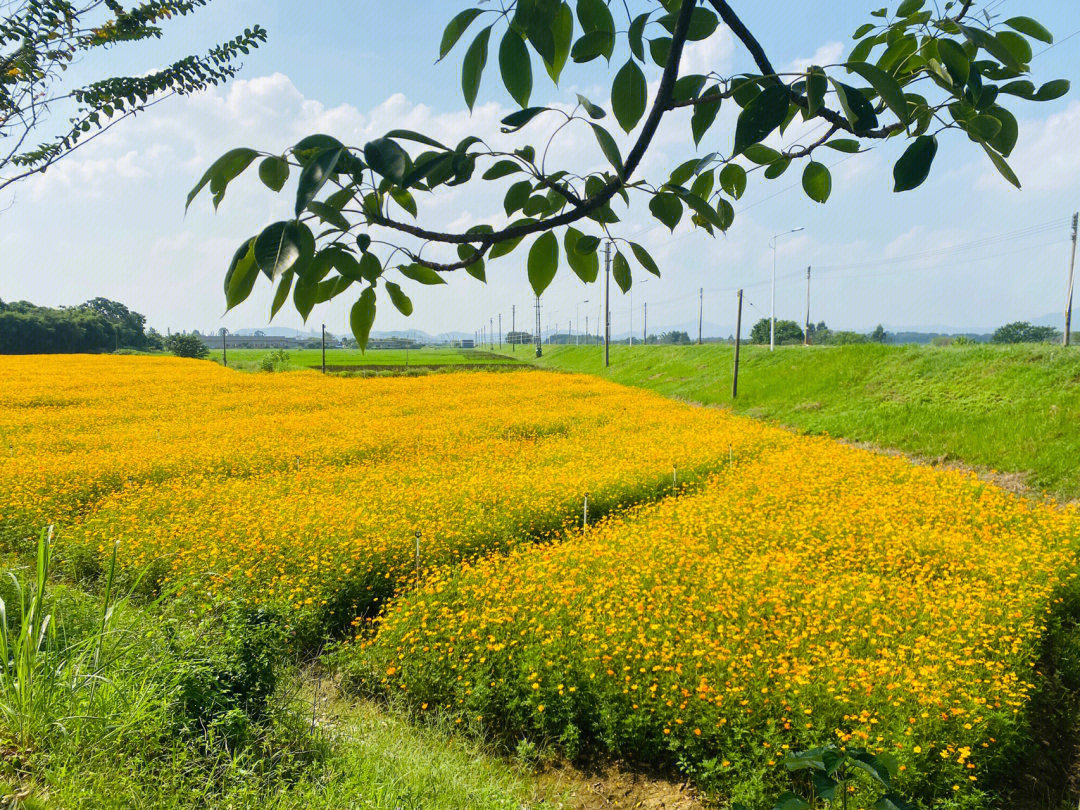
{"x":712,"y":55}
{"x":828,"y":54}
{"x":1046,"y":158}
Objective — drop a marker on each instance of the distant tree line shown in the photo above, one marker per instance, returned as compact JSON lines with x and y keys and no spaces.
{"x":99,"y":325}
{"x":1024,"y":332}
{"x":790,"y":333}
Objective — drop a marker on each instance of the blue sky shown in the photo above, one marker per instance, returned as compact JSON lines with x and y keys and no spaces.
{"x":965,"y":250}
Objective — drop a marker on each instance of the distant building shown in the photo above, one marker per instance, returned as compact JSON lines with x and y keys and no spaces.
{"x":464,"y":343}
{"x":264,"y":341}
{"x":394,"y":343}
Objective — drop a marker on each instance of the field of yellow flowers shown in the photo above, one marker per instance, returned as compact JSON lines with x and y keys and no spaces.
{"x":740,"y":592}
{"x":811,"y":593}
{"x":307,"y":492}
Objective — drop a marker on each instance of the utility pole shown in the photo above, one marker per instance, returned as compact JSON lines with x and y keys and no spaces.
{"x":806,"y":326}
{"x":738,"y":343}
{"x":644,"y":324}
{"x":324,"y":348}
{"x":539,"y":340}
{"x":607,"y":304}
{"x":700,"y":310}
{"x":1067,"y":337}
{"x":587,"y":335}
{"x":224,"y":351}
{"x":500,"y":331}
{"x":513,"y":326}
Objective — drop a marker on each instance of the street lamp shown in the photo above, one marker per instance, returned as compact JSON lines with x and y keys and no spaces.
{"x":643,"y":281}
{"x":772,"y":303}
{"x":577,"y":319}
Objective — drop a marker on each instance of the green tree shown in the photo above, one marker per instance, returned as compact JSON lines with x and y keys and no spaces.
{"x":878,"y":335}
{"x":185,"y":345}
{"x":918,"y":73}
{"x":99,"y":325}
{"x":41,"y":39}
{"x":1024,"y":332}
{"x":787,"y":332}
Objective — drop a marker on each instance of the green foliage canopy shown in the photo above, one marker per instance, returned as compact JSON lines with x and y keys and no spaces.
{"x":1024,"y":332}
{"x":99,"y":325}
{"x":41,"y":39}
{"x":918,"y":73}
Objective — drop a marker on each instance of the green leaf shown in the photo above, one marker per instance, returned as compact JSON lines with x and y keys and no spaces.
{"x":703,"y":117}
{"x":455,"y":28}
{"x":885,"y":86}
{"x":1002,"y":166}
{"x":705,"y":211}
{"x":283,"y":246}
{"x":362,"y":316}
{"x":909,"y":7}
{"x":817,"y":181}
{"x":221,"y":172}
{"x":634,"y":36}
{"x":817,"y":83}
{"x":418,"y":137}
{"x":501,"y":169}
{"x":274,"y":172}
{"x":761,"y":154}
{"x":329,"y":215}
{"x":516,"y":196}
{"x":314,"y":176}
{"x":870,"y":766}
{"x":733,"y":180}
{"x":594,"y":15}
{"x":591,"y":45}
{"x":241,"y":275}
{"x":858,"y":109}
{"x":563,"y":33}
{"x":1033,"y":28}
{"x":984,"y":127}
{"x":588,"y":244}
{"x":955,"y":59}
{"x":666,"y":208}
{"x":844,"y":145}
{"x":628,"y":95}
{"x":789,"y":801}
{"x":473,"y":66}
{"x":890,"y":801}
{"x":585,"y":264}
{"x":761,"y":117}
{"x":543,"y":262}
{"x":387,"y":159}
{"x":421,"y":274}
{"x":863,"y":30}
{"x":282,"y":293}
{"x":1052,"y":90}
{"x":913,"y":167}
{"x":608,"y":147}
{"x":659,"y":49}
{"x":1019,"y":47}
{"x":516,"y":67}
{"x":992,"y":45}
{"x":1005,"y":140}
{"x":774,"y":170}
{"x":594,"y":111}
{"x":644,"y":259}
{"x":399,"y":299}
{"x":404,"y":199}
{"x":516,"y":120}
{"x":620,"y":271}
{"x":370,"y":268}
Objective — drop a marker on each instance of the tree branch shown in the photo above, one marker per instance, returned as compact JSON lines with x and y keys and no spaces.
{"x":731,"y":19}
{"x":610,"y":189}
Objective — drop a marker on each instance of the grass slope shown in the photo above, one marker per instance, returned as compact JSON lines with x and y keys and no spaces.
{"x":1011,"y":409}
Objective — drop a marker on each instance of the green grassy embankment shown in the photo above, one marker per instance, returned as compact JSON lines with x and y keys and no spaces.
{"x":1013,"y":409}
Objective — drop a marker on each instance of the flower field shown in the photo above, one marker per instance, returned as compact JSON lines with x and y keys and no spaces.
{"x":307,"y":492}
{"x":740,"y":592}
{"x":813,"y":593}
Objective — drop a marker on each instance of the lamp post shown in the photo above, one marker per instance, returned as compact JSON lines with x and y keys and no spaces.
{"x":577,"y":320}
{"x":772,"y":295}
